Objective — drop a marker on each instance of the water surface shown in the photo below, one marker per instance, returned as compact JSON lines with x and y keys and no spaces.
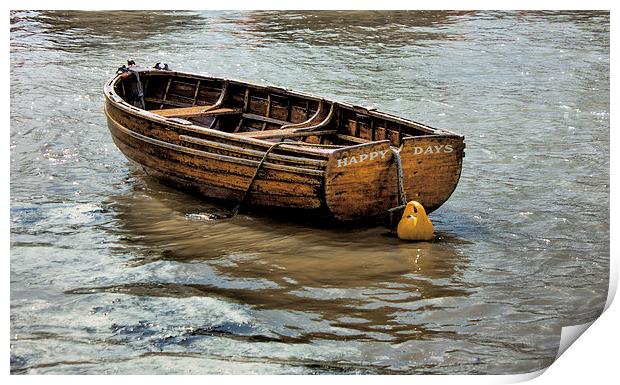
{"x":111,"y":272}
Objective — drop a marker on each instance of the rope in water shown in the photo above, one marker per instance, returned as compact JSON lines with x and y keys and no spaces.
{"x":260,"y":164}
{"x":402,"y":195}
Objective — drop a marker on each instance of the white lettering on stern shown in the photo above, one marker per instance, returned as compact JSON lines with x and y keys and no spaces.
{"x":445,"y":148}
{"x":347,"y":161}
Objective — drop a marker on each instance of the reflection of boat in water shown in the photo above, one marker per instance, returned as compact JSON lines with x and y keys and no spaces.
{"x":358,"y":281}
{"x":232,"y":140}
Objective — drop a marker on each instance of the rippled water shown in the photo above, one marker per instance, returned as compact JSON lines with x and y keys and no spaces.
{"x":112,"y":272}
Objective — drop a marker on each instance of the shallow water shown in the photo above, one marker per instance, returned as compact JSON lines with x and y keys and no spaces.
{"x":111,"y":272}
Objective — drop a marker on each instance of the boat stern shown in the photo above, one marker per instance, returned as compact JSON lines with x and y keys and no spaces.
{"x":362,"y":181}
{"x":431,"y":168}
{"x":359,"y":181}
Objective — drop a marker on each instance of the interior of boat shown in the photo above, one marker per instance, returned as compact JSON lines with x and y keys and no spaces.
{"x":262,"y":112}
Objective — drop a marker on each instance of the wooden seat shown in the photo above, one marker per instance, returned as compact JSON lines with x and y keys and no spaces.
{"x":196,"y":111}
{"x":316,"y":118}
{"x":266,"y":119}
{"x":285,"y":133}
{"x":296,"y":131}
{"x":352,"y":139}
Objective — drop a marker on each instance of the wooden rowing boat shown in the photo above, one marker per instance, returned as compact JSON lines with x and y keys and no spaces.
{"x":270,"y":146}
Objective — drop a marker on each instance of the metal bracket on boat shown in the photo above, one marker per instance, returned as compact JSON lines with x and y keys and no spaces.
{"x":126,"y":68}
{"x":131,"y":68}
{"x":122,"y":69}
{"x":158,"y":66}
{"x":180,"y":121}
{"x":116,"y":98}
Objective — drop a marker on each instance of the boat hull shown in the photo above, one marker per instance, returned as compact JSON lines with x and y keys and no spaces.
{"x":212,"y":174}
{"x":360,"y":181}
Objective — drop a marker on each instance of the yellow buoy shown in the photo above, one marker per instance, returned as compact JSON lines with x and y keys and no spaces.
{"x":415,"y":224}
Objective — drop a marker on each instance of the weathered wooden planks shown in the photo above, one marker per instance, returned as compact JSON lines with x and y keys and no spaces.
{"x":232,"y":179}
{"x":359,"y":182}
{"x":289,"y":169}
{"x":362,"y":181}
{"x":432,"y":165}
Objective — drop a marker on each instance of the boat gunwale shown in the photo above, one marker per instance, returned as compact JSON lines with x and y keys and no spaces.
{"x":110,"y":95}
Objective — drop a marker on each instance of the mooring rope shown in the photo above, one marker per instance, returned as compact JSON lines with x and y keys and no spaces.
{"x":402,"y":195}
{"x":260,"y":164}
